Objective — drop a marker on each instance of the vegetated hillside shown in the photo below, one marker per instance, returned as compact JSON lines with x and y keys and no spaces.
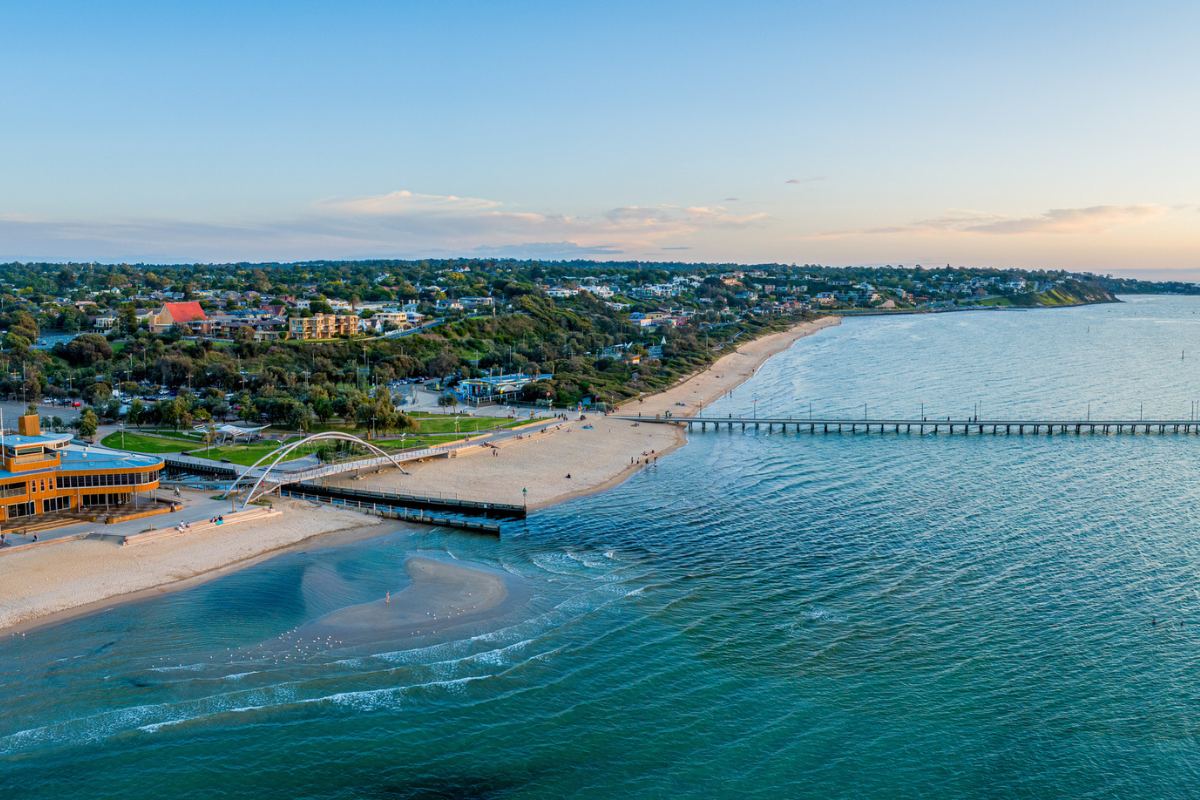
{"x":1075,"y":293}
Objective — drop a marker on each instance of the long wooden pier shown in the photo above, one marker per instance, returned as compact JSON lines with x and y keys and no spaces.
{"x":959,"y":427}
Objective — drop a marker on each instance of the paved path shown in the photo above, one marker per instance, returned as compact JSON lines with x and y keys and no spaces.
{"x":198,"y":506}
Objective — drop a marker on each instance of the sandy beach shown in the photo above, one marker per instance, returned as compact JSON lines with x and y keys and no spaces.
{"x":595,"y":459}
{"x":43,"y":585}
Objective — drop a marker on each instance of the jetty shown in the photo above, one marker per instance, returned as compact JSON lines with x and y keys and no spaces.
{"x":953,"y":427}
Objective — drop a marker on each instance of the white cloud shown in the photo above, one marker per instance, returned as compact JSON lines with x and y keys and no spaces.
{"x":402,"y":202}
{"x":400,"y":223}
{"x":1055,"y":222}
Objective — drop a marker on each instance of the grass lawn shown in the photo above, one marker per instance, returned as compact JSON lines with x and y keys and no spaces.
{"x":431,"y":424}
{"x":243,"y":454}
{"x":141,"y":443}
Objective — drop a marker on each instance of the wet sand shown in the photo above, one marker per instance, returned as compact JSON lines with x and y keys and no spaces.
{"x":442,"y":595}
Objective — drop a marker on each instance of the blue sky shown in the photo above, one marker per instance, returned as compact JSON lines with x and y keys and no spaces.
{"x":1017,"y":134}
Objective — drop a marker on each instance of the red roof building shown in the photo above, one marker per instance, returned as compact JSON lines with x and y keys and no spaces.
{"x":190,"y":315}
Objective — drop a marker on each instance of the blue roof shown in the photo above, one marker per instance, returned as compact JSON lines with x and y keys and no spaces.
{"x":76,"y":458}
{"x":15,"y":440}
{"x":86,"y":459}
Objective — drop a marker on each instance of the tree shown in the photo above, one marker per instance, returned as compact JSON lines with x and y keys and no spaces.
{"x":447,"y":400}
{"x":134,"y":414}
{"x":243,"y":334}
{"x":18,"y":344}
{"x":22,"y":323}
{"x":323,"y":408}
{"x":168,"y":412}
{"x":65,"y":280}
{"x":129,"y":320}
{"x":97,"y":393}
{"x":85,"y":350}
{"x":443,"y":364}
{"x":88,"y":423}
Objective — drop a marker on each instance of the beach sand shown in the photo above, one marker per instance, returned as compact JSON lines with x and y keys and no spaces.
{"x":595,"y":459}
{"x":52,"y":583}
{"x":442,"y":596}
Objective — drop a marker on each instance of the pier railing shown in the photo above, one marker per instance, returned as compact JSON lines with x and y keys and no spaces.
{"x":963,"y":427}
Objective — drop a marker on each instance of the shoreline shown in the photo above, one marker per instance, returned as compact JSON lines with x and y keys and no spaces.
{"x":86,"y":572}
{"x":571,"y":459}
{"x":318,"y":540}
{"x":80,"y":589}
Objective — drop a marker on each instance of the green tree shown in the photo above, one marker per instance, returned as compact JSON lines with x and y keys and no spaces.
{"x":136,"y":409}
{"x":97,"y":393}
{"x":88,"y":423}
{"x":129,"y":320}
{"x":323,"y":408}
{"x":168,"y":412}
{"x":18,"y":344}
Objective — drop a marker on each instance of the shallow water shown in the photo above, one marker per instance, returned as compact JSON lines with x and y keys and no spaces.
{"x":763,"y":615}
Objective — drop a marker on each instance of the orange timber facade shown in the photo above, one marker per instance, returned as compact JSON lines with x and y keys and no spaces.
{"x":43,"y":474}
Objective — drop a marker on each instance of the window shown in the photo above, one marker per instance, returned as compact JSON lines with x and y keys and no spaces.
{"x":55,"y":504}
{"x":21,"y":510}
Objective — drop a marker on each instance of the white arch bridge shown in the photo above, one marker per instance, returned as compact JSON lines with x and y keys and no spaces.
{"x":268,"y":478}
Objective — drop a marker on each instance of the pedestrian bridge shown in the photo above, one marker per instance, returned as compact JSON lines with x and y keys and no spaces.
{"x":265,"y":478}
{"x":959,"y":427}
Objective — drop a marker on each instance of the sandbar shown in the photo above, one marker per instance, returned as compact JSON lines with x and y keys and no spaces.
{"x":442,"y":595}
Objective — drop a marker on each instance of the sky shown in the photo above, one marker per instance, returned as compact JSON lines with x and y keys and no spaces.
{"x":1047,"y":135}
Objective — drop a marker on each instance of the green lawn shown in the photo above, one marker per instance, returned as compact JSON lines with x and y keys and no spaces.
{"x":436,"y":429}
{"x":243,"y":454}
{"x":431,"y":424}
{"x":141,"y":443}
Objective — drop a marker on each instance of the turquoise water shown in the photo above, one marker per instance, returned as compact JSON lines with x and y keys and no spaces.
{"x":763,"y":615}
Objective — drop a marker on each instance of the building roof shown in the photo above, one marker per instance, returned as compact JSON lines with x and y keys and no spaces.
{"x":76,"y":458}
{"x":16,"y":440}
{"x":183,"y":312}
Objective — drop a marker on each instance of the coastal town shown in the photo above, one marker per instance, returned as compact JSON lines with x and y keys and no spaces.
{"x":121,"y":339}
{"x":398,"y":384}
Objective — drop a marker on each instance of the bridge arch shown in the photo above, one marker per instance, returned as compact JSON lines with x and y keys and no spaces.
{"x":283,"y":451}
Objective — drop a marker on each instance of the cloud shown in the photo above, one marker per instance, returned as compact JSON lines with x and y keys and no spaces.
{"x":1055,"y":222}
{"x":403,"y":202}
{"x":395,"y":224}
{"x":729,"y":200}
{"x":807,"y":180}
{"x":676,"y":248}
{"x":547,"y":250}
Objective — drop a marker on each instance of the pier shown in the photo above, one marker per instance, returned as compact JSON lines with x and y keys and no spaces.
{"x":951,"y":427}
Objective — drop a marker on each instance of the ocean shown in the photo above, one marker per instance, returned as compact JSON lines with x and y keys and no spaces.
{"x":761,"y":615}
